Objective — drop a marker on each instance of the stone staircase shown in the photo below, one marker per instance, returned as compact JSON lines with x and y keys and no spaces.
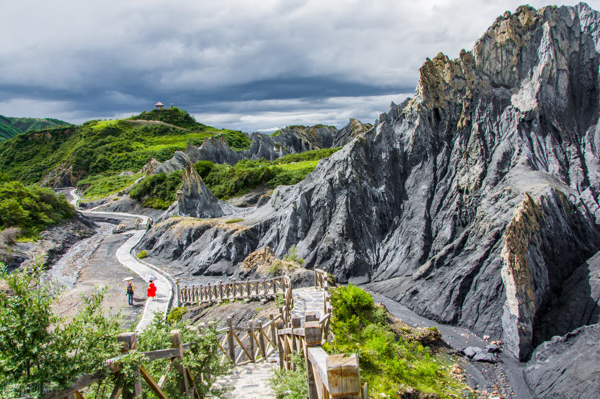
{"x":251,"y":381}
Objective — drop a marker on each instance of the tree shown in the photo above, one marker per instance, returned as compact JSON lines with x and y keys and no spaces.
{"x":40,"y":351}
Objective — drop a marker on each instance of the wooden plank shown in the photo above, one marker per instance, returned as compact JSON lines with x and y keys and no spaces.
{"x":318,"y":358}
{"x":241,"y":345}
{"x":81,"y":382}
{"x":162,"y":354}
{"x":176,"y":343}
{"x":279,"y":340}
{"x":230,"y":340}
{"x":117,"y":390}
{"x":261,"y":340}
{"x":151,"y":383}
{"x":251,"y":340}
{"x":343,"y":376}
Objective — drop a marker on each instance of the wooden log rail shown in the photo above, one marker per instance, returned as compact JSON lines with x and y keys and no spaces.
{"x":335,"y":376}
{"x":234,"y":290}
{"x":320,"y":278}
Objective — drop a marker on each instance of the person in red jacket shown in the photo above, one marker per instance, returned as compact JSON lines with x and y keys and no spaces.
{"x":151,"y":290}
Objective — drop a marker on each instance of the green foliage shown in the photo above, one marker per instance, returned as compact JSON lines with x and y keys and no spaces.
{"x":293,"y":256}
{"x":41,"y":351}
{"x":386,"y":360}
{"x":237,"y":140}
{"x":142,"y":254}
{"x":288,"y":384}
{"x":100,"y":186}
{"x":100,"y":147}
{"x":173,"y":116}
{"x":176,"y":314}
{"x":204,"y":168}
{"x":31,"y":208}
{"x":10,"y":127}
{"x":313,"y":155}
{"x":275,"y":269}
{"x":234,"y":220}
{"x":202,"y":358}
{"x":279,"y":300}
{"x":157,"y":191}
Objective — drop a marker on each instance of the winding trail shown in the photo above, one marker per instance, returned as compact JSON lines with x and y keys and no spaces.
{"x":164,"y":288}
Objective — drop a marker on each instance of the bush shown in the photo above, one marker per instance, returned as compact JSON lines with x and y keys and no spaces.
{"x":31,"y":208}
{"x":157,"y":191}
{"x":39,"y":350}
{"x":290,"y":384}
{"x":142,"y":254}
{"x":176,"y":314}
{"x":293,"y":256}
{"x":387,"y":360}
{"x":204,"y":168}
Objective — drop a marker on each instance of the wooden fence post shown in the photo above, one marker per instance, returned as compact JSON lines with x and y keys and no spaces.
{"x":220,"y":290}
{"x":343,"y":376}
{"x":261,"y":340}
{"x":230,"y":340}
{"x":280,"y":346}
{"x":273,"y":331}
{"x":234,"y":289}
{"x":251,"y":341}
{"x":312,"y":338}
{"x":296,"y":323}
{"x":129,"y":341}
{"x":176,"y":343}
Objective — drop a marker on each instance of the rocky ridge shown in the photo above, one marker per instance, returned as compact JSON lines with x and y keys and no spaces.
{"x":291,"y":140}
{"x":473,"y":203}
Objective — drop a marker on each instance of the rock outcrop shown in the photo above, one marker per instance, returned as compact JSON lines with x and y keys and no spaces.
{"x":567,"y":367}
{"x":291,"y":140}
{"x":474,"y":203}
{"x":195,"y":199}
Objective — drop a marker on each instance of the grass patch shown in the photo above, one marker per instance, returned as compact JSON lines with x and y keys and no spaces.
{"x":234,"y":220}
{"x":101,"y":186}
{"x":157,"y":191}
{"x":142,"y":254}
{"x":290,"y":384}
{"x":393,"y":360}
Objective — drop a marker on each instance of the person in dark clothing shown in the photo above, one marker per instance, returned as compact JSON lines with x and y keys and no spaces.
{"x":130,"y":289}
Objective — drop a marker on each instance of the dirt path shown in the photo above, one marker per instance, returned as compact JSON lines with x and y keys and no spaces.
{"x":125,"y":257}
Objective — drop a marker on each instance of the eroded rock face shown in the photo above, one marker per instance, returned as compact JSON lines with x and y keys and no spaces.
{"x":195,"y":199}
{"x":475,"y":202}
{"x":291,"y":140}
{"x":567,"y":367}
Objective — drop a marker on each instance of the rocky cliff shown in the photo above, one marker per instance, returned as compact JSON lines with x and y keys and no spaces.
{"x":291,"y":140}
{"x":474,"y":203}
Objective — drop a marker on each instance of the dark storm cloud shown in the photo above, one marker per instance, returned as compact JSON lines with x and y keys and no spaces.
{"x":233,"y":63}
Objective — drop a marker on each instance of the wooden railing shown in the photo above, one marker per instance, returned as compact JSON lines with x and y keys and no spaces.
{"x":329,"y":376}
{"x":320,"y":278}
{"x":186,"y":380}
{"x":335,"y":376}
{"x":234,"y":290}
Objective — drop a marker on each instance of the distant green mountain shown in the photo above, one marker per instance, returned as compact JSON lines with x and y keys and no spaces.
{"x":10,"y":127}
{"x":104,"y":148}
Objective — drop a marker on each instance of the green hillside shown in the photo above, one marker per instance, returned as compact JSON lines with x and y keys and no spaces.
{"x":104,"y":148}
{"x":10,"y":127}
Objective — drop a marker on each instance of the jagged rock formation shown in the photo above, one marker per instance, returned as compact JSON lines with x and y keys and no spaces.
{"x":291,"y":140}
{"x":195,"y":199}
{"x":352,"y":130}
{"x":475,"y":202}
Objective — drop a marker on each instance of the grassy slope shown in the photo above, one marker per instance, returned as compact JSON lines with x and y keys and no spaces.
{"x":100,"y":150}
{"x":10,"y":127}
{"x":227,"y":181}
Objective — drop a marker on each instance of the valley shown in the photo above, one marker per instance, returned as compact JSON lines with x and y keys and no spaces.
{"x":472,"y":208}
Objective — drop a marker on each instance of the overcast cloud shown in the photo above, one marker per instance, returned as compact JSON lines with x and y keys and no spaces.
{"x":248,"y":65}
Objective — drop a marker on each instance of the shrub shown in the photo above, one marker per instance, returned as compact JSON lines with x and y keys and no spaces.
{"x":293,"y":256}
{"x":290,"y":384}
{"x":388,"y":360}
{"x":31,"y":208}
{"x":234,"y":220}
{"x":157,"y":191}
{"x":142,"y":254}
{"x":176,"y":314}
{"x":204,"y":168}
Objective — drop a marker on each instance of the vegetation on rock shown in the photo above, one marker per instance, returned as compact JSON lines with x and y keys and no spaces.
{"x":157,"y":191}
{"x":394,"y":358}
{"x":31,"y":208}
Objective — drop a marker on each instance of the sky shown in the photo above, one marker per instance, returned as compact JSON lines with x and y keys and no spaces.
{"x":246,"y":65}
